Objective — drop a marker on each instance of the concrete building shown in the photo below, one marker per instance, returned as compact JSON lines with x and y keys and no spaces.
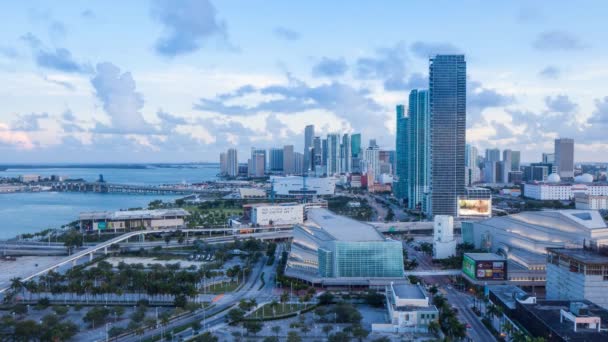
{"x":577,"y":273}
{"x":537,"y":173}
{"x":299,"y":165}
{"x":257,"y":163}
{"x":444,"y":244}
{"x":267,"y":214}
{"x":447,"y":134}
{"x":346,"y":154}
{"x":564,"y":157}
{"x":372,"y":161}
{"x":29,"y":178}
{"x":132,"y":219}
{"x":525,"y":237}
{"x":506,"y":165}
{"x":317,"y":160}
{"x":515,"y":160}
{"x":249,"y":193}
{"x":334,"y":156}
{"x":409,"y":310}
{"x":492,"y":155}
{"x":330,"y":249}
{"x":490,"y":172}
{"x":590,"y":202}
{"x":298,"y":186}
{"x":484,"y":268}
{"x":223,"y":163}
{"x":356,"y":152}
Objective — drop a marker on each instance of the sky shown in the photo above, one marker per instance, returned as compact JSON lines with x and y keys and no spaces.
{"x":183,"y":80}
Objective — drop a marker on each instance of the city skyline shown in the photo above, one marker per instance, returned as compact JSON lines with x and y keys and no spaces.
{"x":74,"y":93}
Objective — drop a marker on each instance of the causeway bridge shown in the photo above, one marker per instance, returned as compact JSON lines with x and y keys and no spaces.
{"x":103,"y":187}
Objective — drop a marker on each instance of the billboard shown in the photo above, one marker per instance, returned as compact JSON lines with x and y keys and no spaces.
{"x":491,"y":270}
{"x":474,"y":207}
{"x":101,"y":225}
{"x":468,"y":266}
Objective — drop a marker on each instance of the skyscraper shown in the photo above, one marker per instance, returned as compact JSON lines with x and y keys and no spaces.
{"x":372,"y":161}
{"x":473,"y":173}
{"x":346,"y":154}
{"x":317,"y":153}
{"x":298,"y":162}
{"x":232,"y":163}
{"x":400,"y":185}
{"x":493,"y":155}
{"x":564,"y":157}
{"x":507,"y":159}
{"x":289,"y":160}
{"x":515,"y":160}
{"x":333,"y":154}
{"x":417,"y":147}
{"x":309,"y":134}
{"x":257,"y":167}
{"x":355,"y":149}
{"x":223,"y":163}
{"x":447,"y":104}
{"x":324,"y":148}
{"x":276,"y":160}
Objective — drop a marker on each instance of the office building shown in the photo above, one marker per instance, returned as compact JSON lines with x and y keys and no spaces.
{"x":490,"y":171}
{"x":409,"y":310}
{"x":289,"y":160}
{"x":444,"y":243}
{"x":492,"y":155}
{"x":516,"y":177}
{"x":299,"y":165}
{"x":329,"y":249}
{"x":447,"y":107}
{"x":309,"y":133}
{"x":484,"y":268}
{"x":317,"y":153}
{"x":536,"y":173}
{"x":554,"y":189}
{"x":400,"y":187}
{"x":334,"y":156}
{"x":232,"y":163}
{"x":548,"y":158}
{"x":564,"y":157}
{"x":577,"y":273}
{"x":417,"y":147}
{"x":470,"y":156}
{"x":372,"y":161}
{"x":324,"y":149}
{"x":276,"y":160}
{"x":590,"y":202}
{"x":346,"y":154}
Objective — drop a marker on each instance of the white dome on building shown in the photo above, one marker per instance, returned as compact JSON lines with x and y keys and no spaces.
{"x":553,"y":178}
{"x":584,"y":178}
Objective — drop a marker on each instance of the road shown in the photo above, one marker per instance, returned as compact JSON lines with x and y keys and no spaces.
{"x":478,"y":331}
{"x":251,"y":289}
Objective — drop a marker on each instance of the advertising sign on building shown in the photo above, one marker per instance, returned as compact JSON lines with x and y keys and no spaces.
{"x":468,"y":266}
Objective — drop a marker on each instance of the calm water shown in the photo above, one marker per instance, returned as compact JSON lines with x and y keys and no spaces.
{"x":31,"y":212}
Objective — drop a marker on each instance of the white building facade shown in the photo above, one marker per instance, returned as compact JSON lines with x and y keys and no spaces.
{"x":444,"y":244}
{"x":409,"y":310}
{"x":563,"y":191}
{"x":278,"y":214}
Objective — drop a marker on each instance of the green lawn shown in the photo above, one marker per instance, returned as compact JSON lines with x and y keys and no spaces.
{"x":281,"y":309}
{"x":222,"y":288}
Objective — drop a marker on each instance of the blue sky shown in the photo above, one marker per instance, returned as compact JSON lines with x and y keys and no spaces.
{"x":154,"y":81}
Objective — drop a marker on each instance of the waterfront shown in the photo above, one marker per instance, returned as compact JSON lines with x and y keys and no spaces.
{"x":31,"y":212}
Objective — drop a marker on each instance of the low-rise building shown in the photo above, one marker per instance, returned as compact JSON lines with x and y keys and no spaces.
{"x":29,"y":178}
{"x":590,"y":202}
{"x":303,"y":186}
{"x":444,"y":243}
{"x":132,"y":219}
{"x":555,"y":189}
{"x":409,"y":310}
{"x":249,"y":193}
{"x":268,"y":214}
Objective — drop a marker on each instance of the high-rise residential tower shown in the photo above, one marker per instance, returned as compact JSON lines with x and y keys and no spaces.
{"x":356,"y":152}
{"x":400,"y":185}
{"x":317,"y":156}
{"x":333,"y":154}
{"x":492,"y":155}
{"x":564,"y":157}
{"x":223,"y":163}
{"x":447,"y":107}
{"x":417,"y":147}
{"x":257,"y":167}
{"x":289,"y":160}
{"x":276,"y":160}
{"x":309,"y":134}
{"x":232,"y":163}
{"x":507,"y":159}
{"x":346,"y":154}
{"x":515,"y":160}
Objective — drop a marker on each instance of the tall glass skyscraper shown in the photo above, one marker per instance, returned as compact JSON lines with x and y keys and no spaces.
{"x":276,"y":159}
{"x":417,"y":147}
{"x":447,"y":107}
{"x":400,"y":186}
{"x":309,"y":134}
{"x":333,"y":154}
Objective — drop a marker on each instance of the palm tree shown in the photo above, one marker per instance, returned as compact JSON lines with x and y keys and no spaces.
{"x":276,"y":329}
{"x":17,"y":285}
{"x":434,"y":327}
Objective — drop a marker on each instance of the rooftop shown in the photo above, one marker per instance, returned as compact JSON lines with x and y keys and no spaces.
{"x":342,"y":228}
{"x":484,"y":256}
{"x":507,"y":294}
{"x":132,"y":214}
{"x":408,"y":291}
{"x":548,"y":312}
{"x":584,"y":256}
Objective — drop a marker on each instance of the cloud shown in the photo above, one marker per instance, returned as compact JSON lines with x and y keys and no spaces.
{"x":558,"y":40}
{"x":480,"y":98}
{"x":187,"y":24}
{"x":560,"y":104}
{"x":57,"y":30}
{"x":387,"y":65}
{"x":64,"y":84}
{"x":28,"y":122}
{"x":415,"y":81}
{"x":239,"y":92}
{"x":19,"y":140}
{"x":600,"y":115}
{"x":286,"y":34}
{"x":328,"y":67}
{"x":427,"y":49}
{"x":550,"y":72}
{"x":8,"y":52}
{"x":59,"y":59}
{"x":121,"y":101}
{"x":88,"y":14}
{"x":68,"y":115}
{"x":501,"y":131}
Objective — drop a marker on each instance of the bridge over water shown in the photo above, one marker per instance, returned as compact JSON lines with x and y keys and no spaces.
{"x":103,"y":187}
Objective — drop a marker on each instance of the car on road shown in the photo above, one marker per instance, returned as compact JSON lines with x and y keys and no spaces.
{"x":469,"y":326}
